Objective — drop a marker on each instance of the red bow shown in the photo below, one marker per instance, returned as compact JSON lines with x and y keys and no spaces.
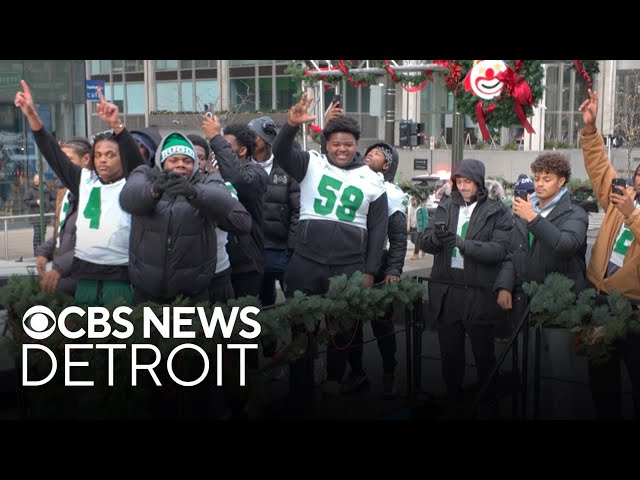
{"x":519,"y":90}
{"x":315,"y":128}
{"x":482,"y":123}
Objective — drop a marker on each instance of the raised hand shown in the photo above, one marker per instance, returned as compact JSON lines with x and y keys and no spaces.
{"x":589,"y":109}
{"x":108,"y":112}
{"x":333,"y":112}
{"x":298,"y":113}
{"x":24,"y":100}
{"x":211,"y":126}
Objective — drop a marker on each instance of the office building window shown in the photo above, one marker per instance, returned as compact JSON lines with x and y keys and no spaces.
{"x":205,"y":64}
{"x":286,"y":90}
{"x":167,"y":96}
{"x":135,"y":98}
{"x":206,"y":94}
{"x":565,"y":91}
{"x":166,"y":64}
{"x":242,"y":97}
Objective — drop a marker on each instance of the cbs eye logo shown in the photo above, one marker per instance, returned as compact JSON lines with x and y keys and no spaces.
{"x":35,"y":321}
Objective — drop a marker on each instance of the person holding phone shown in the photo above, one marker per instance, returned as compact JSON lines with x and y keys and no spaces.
{"x":614,"y":262}
{"x":550,"y":235}
{"x":468,"y":250}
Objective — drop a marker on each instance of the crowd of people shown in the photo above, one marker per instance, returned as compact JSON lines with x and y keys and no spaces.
{"x":233,"y":211}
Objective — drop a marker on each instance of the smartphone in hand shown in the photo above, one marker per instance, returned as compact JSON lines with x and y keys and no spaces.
{"x":618,"y":185}
{"x":521,"y":194}
{"x":334,"y":103}
{"x":440,"y":227}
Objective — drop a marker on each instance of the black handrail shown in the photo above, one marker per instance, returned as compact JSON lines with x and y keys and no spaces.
{"x":524,"y":321}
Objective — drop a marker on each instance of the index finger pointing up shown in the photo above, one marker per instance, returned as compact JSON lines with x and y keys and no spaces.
{"x":25,"y":87}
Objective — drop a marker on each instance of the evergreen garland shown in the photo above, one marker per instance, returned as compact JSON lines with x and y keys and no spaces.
{"x":345,"y":298}
{"x":596,"y":327}
{"x":504,"y":114}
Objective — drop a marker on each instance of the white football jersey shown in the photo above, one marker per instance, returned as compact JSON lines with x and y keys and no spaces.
{"x":397,"y":199}
{"x":63,"y":216}
{"x":102,"y":226}
{"x":336,"y":194}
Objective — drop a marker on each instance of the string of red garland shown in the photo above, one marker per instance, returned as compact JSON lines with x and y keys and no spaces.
{"x":580,"y":68}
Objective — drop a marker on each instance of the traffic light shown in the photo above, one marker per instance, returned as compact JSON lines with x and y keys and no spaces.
{"x":404,"y":134}
{"x":411,"y":134}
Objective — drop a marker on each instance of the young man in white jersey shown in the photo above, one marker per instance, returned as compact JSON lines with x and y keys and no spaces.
{"x":101,"y":259}
{"x":469,"y":237}
{"x":614,"y":263}
{"x":342,"y":227}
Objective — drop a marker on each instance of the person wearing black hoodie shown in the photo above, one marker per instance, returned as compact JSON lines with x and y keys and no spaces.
{"x":383,"y":159}
{"x":468,"y":251}
{"x":342,"y":227}
{"x":147,"y":140}
{"x":246,"y":252}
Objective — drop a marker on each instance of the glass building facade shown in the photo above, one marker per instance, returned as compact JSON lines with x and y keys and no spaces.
{"x":58,"y":88}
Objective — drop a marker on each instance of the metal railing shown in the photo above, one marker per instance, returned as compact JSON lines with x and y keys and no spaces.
{"x":6,"y":227}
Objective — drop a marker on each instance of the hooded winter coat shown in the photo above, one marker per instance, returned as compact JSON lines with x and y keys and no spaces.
{"x":485,"y":246}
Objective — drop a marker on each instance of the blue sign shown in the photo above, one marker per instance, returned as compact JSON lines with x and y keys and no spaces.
{"x":92,"y":89}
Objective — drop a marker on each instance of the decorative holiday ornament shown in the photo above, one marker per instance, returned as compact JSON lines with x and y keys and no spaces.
{"x":482,"y":80}
{"x":511,"y":102}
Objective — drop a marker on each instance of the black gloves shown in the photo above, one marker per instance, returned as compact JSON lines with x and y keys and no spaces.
{"x":171,"y":183}
{"x":448,"y":239}
{"x":160,"y":183}
{"x":179,"y":185}
{"x":459,"y":243}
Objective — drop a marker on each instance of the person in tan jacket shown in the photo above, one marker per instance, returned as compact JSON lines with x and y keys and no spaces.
{"x":614,"y":263}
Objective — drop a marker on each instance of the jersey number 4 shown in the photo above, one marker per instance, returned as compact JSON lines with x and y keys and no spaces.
{"x":350,"y":199}
{"x":92,"y":210}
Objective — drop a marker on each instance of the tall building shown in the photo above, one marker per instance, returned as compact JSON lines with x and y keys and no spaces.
{"x":58,"y":88}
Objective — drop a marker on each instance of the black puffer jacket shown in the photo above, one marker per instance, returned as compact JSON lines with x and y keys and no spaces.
{"x":173,"y":241}
{"x":246,"y":252}
{"x":281,"y":210}
{"x":485,"y":246}
{"x":560,"y":245}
